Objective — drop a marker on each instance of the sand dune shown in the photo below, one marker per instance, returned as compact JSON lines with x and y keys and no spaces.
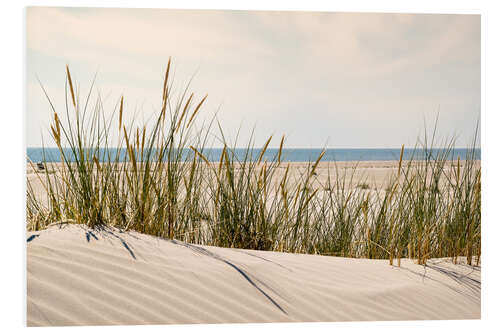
{"x":78,"y":276}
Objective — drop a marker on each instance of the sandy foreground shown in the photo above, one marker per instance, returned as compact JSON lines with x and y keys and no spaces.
{"x":77,"y":276}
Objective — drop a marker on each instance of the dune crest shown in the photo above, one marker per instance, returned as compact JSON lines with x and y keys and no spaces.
{"x":79,"y":276}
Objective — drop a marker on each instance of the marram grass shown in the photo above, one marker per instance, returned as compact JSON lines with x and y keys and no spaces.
{"x":165,"y":186}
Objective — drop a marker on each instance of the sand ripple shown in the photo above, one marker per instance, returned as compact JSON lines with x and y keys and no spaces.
{"x":81,"y":277}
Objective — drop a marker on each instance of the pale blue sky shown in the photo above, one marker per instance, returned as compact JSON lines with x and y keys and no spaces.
{"x":342,"y":80}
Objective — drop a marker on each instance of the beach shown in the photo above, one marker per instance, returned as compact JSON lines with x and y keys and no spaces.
{"x":374,"y":175}
{"x":104,"y":276}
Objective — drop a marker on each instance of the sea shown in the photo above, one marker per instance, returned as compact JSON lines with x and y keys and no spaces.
{"x":288,"y":155}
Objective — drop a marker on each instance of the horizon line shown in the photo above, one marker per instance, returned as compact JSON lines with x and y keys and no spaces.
{"x":284,"y":148}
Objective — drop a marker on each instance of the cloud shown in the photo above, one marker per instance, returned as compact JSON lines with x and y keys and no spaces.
{"x":314,"y":76}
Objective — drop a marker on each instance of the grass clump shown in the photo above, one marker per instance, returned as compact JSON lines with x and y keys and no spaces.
{"x":150,"y":183}
{"x":156,"y":178}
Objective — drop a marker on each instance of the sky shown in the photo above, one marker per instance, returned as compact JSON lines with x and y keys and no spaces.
{"x":322,"y":79}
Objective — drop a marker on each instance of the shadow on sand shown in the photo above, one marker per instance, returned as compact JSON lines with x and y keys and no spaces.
{"x":238,"y":269}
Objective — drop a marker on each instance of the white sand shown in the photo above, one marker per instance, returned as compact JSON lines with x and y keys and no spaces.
{"x":82,"y":277}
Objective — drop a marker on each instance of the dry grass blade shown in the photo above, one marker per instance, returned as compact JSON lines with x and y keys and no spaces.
{"x":281,"y":148}
{"x":71,"y":86}
{"x":196,"y":111}
{"x":120,"y":115}
{"x":200,"y":154}
{"x":183,"y":112}
{"x":221,"y":160}
{"x":313,"y":169}
{"x":262,"y":152}
{"x":96,"y":162}
{"x":400,"y":159}
{"x":165,"y":82}
{"x":165,"y":93}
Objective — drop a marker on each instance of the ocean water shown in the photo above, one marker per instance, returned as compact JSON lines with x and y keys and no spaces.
{"x":288,"y":155}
